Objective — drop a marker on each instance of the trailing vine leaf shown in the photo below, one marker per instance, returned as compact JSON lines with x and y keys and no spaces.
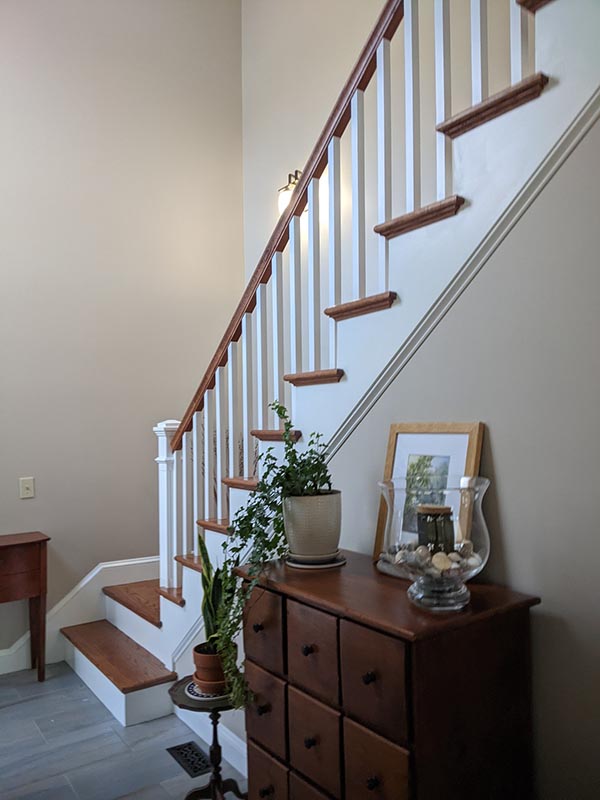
{"x":256,"y":537}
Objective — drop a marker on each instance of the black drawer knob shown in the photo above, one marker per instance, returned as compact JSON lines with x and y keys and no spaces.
{"x":266,"y":791}
{"x":310,"y":742}
{"x":258,"y":627}
{"x":307,"y":649}
{"x":372,"y":784}
{"x":369,"y":677}
{"x":263,"y":709}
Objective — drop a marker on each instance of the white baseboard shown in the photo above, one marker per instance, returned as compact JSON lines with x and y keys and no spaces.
{"x":84,"y":603}
{"x":233,"y":746}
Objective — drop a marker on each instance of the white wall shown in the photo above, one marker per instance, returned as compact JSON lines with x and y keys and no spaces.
{"x":120,"y":156}
{"x":519,"y":351}
{"x":296,"y":58}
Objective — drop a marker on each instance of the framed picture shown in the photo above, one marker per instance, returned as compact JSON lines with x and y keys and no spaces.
{"x":432,"y":451}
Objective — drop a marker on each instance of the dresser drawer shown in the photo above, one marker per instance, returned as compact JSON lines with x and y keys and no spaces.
{"x":19,"y":558}
{"x":313,"y":651}
{"x":373,"y":680}
{"x":263,"y":630}
{"x":301,"y":790}
{"x":374,"y":766}
{"x":314,"y":732}
{"x":267,"y":778}
{"x":266,"y":714}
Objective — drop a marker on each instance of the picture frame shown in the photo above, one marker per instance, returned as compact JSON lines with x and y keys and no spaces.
{"x":446,"y":448}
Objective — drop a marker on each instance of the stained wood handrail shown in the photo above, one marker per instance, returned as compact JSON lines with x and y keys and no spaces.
{"x":363,"y":71}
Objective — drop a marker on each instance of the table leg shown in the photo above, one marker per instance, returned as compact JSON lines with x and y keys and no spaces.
{"x":229,"y":785}
{"x":41,"y":638}
{"x":33,"y":634}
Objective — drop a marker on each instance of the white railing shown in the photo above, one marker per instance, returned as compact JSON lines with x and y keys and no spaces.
{"x":371,"y":164}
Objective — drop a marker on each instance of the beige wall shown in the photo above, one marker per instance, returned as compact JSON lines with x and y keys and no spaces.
{"x":520,"y":351}
{"x":120,"y":156}
{"x":296,"y":57}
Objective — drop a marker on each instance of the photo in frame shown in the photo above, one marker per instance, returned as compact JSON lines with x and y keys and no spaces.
{"x":428,"y":453}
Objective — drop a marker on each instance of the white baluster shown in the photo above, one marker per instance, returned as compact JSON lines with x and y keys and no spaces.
{"x":210,"y":500}
{"x":277,"y":329}
{"x":233,"y":406}
{"x":357,"y":125}
{"x":295,"y":297}
{"x":384,"y":156}
{"x":247,"y":395}
{"x":479,"y":51}
{"x":443,"y":104}
{"x":335,"y":240}
{"x":262,"y":366}
{"x":176,"y":522}
{"x":220,"y":435}
{"x":412,"y":106}
{"x":520,"y":21}
{"x":198,"y":480}
{"x":187,"y":523}
{"x":314,"y":278}
{"x":164,"y":433}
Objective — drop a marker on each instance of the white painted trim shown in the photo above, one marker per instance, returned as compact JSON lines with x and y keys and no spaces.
{"x":557,"y":156}
{"x":233,"y":746}
{"x":84,"y":603}
{"x":128,"y":709}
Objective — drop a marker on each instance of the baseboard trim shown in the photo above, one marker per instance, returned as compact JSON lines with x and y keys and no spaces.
{"x":81,"y":604}
{"x":233,"y":746}
{"x":556,"y":157}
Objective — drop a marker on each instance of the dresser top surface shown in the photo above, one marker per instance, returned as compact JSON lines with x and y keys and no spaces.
{"x":357,"y":591}
{"x":12,"y":539}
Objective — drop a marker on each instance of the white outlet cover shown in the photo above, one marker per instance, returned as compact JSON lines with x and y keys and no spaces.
{"x":26,"y":488}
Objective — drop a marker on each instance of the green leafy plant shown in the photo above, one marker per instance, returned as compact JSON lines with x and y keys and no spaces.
{"x":257,"y":536}
{"x":213,"y":585}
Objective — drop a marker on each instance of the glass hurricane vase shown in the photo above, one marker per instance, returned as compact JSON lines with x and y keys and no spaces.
{"x":437,"y":537}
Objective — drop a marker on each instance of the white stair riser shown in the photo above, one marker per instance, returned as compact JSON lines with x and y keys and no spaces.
{"x":140,"y":630}
{"x":128,"y":709}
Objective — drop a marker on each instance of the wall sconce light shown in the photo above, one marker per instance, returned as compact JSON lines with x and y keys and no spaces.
{"x":284,"y":195}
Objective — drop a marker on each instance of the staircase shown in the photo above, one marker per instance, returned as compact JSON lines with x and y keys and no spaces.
{"x":403,"y":199}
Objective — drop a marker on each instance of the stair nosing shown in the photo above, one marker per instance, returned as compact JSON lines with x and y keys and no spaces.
{"x":168,"y":676}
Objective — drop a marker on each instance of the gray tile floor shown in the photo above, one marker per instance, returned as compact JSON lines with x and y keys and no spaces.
{"x":58,"y":742}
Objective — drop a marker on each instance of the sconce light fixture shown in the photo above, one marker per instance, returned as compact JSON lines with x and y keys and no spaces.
{"x":284,"y":195}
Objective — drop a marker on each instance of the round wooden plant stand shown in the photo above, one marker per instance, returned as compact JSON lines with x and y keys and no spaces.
{"x":216,"y":788}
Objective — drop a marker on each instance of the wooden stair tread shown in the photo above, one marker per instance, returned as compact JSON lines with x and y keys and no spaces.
{"x":174,"y":594}
{"x":141,"y":597}
{"x":247,"y":484}
{"x":366,"y":305}
{"x":494,"y":106}
{"x":216,"y":525}
{"x":274,"y":435}
{"x":315,"y":378}
{"x":532,"y":5}
{"x":191,"y":561}
{"x":442,"y":209}
{"x":124,"y":662}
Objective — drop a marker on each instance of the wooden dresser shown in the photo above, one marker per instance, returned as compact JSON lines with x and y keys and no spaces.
{"x":360,"y":695}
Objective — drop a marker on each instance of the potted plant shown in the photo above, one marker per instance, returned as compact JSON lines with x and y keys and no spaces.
{"x":275,"y":521}
{"x":209,"y":676}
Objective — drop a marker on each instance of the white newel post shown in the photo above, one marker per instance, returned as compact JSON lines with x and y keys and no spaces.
{"x":164,"y":433}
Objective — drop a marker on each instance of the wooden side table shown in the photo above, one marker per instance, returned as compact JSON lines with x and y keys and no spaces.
{"x":23,"y":577}
{"x":216,"y":788}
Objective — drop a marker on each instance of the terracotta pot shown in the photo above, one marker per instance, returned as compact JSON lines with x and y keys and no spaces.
{"x":313,"y":524}
{"x":209,"y":676}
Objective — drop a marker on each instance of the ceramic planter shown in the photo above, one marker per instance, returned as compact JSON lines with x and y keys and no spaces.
{"x":208,"y":677}
{"x":312,"y":524}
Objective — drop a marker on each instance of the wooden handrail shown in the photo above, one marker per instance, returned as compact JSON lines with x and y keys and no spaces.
{"x":363,"y":71}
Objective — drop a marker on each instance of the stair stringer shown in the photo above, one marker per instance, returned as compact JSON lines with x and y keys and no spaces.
{"x":500,"y":168}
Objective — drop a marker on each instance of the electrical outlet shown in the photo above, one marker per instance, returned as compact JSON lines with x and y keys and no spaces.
{"x":26,"y":488}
